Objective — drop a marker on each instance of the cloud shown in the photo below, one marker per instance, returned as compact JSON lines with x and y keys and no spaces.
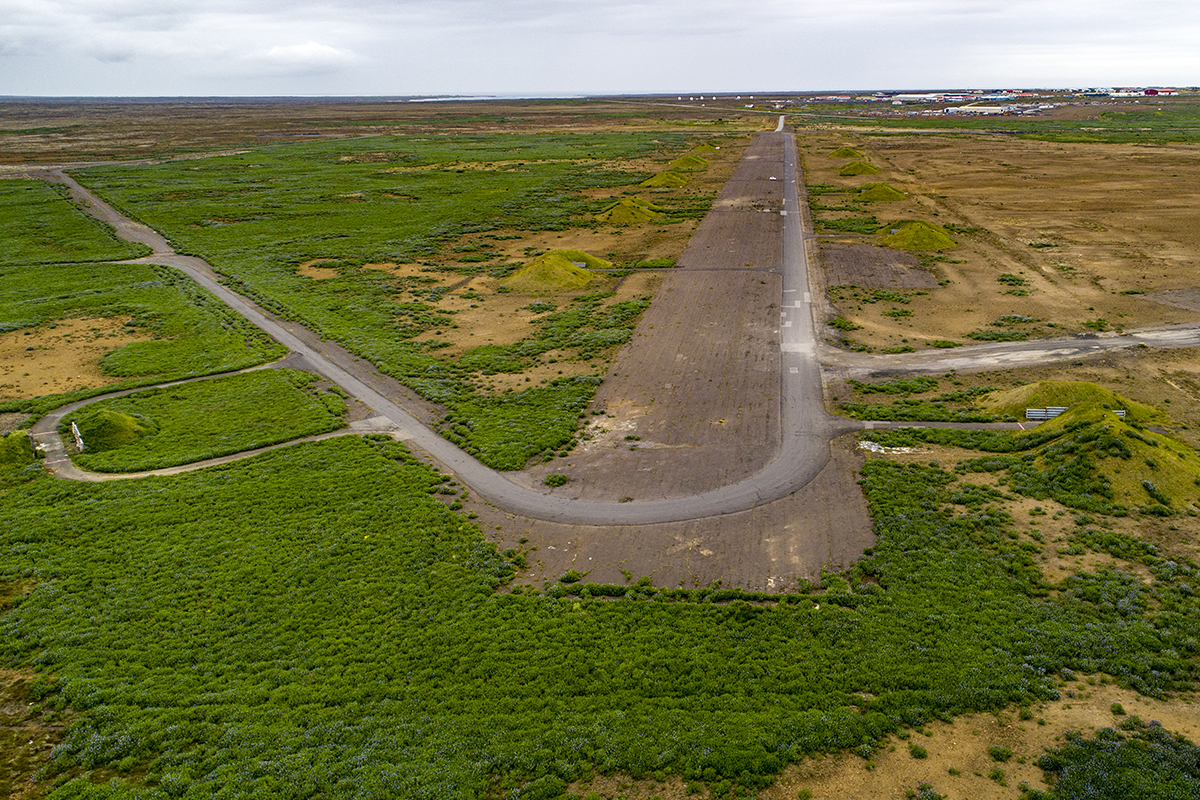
{"x":302,"y":59}
{"x":581,"y":46}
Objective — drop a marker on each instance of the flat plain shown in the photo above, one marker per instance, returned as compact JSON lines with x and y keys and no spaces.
{"x":345,"y":618}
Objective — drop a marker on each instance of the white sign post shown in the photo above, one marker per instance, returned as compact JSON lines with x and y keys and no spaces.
{"x":78,"y":436}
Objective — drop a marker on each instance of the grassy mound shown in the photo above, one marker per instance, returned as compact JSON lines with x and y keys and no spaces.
{"x":1145,"y":470}
{"x":628,"y":211}
{"x":879,"y":192}
{"x":689,"y":162}
{"x":17,"y":460}
{"x":1087,"y":459}
{"x":556,"y":271}
{"x":916,"y":234}
{"x":1065,"y":393}
{"x":670,"y":179}
{"x":858,"y":168}
{"x":705,"y":148}
{"x":845,"y":152}
{"x":105,"y":429}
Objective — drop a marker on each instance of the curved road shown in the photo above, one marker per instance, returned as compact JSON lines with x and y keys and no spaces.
{"x":807,"y":427}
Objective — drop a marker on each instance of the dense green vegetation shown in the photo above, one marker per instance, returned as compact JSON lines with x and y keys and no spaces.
{"x":257,"y":216}
{"x":39,"y":224}
{"x":193,"y":333}
{"x":916,"y":401}
{"x":17,"y":461}
{"x":1138,"y":760}
{"x":231,"y":631}
{"x":205,"y":419}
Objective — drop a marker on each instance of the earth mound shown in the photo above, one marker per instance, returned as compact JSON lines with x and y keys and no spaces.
{"x":628,"y":211}
{"x":858,"y":168}
{"x":705,"y":148}
{"x":879,"y":192}
{"x":105,"y":429}
{"x":556,"y":271}
{"x":1064,"y":393}
{"x":916,"y":234}
{"x":689,"y":162}
{"x":670,"y":179}
{"x":846,"y":152}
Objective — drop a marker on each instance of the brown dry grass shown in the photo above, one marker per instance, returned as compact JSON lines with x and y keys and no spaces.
{"x":49,"y":360}
{"x":1080,"y":223}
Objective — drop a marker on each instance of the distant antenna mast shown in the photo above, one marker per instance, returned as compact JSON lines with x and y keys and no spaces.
{"x":78,"y":436}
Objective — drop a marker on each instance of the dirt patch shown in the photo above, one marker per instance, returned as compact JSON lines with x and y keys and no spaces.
{"x":963,"y":745}
{"x":61,"y":356}
{"x":311,"y":269}
{"x":399,"y":270}
{"x":873,"y":267}
{"x":10,"y":422}
{"x":482,"y":315}
{"x":639,"y":284}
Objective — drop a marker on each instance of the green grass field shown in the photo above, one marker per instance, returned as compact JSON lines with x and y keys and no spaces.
{"x":39,"y":224}
{"x":193,"y":333}
{"x":313,"y":622}
{"x":257,"y":216}
{"x":191,"y":422}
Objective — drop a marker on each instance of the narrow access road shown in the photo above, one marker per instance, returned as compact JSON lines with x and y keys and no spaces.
{"x":58,"y":460}
{"x":1011,"y":355}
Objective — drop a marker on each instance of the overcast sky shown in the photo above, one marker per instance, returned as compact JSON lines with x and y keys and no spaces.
{"x":568,"y":47}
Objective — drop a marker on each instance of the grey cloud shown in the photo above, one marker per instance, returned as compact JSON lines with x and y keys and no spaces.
{"x":581,"y":46}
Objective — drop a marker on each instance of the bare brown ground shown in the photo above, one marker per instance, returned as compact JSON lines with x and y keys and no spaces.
{"x":46,"y":360}
{"x":313,"y":269}
{"x":849,"y":264}
{"x":1080,"y":223}
{"x":770,"y":548}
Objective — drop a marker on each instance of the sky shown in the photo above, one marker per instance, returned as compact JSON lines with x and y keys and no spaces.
{"x":547,"y":48}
